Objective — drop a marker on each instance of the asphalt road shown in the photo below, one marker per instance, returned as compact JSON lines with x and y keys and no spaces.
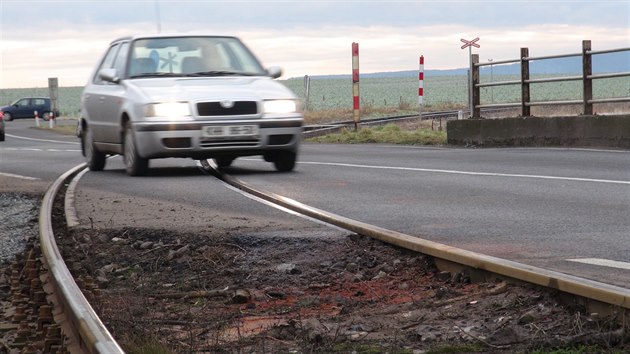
{"x":551,"y":208}
{"x":37,"y":155}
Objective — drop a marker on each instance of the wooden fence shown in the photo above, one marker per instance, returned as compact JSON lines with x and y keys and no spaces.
{"x":587,"y":78}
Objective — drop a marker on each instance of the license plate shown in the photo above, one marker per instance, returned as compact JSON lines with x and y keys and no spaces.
{"x":228,"y":131}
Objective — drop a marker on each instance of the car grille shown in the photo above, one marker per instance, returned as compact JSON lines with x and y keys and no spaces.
{"x":280,"y":139}
{"x":206,"y":109}
{"x":229,"y":143}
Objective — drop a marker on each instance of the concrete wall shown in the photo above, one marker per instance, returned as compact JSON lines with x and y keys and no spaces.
{"x":595,"y":131}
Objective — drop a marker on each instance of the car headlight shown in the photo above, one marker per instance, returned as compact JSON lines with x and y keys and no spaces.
{"x":167,"y":110}
{"x":280,"y":106}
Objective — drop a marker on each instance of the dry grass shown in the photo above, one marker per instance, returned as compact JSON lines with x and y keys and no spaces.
{"x":386,"y":134}
{"x":326,"y":116}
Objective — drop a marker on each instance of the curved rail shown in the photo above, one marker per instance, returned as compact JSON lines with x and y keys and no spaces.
{"x":458,"y":258}
{"x":86,"y":333}
{"x":329,"y":128}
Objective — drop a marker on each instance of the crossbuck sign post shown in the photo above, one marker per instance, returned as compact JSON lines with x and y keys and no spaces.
{"x":470,"y":44}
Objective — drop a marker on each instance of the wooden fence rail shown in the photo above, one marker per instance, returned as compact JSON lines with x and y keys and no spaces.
{"x":526,"y":103}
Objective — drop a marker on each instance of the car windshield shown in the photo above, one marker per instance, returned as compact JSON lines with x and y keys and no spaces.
{"x":191,"y":56}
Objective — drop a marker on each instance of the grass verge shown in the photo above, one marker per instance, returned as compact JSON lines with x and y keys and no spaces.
{"x":61,"y":129}
{"x":323,"y":116}
{"x":386,"y":134}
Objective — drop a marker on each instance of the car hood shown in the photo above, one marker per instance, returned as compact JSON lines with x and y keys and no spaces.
{"x":197,"y":89}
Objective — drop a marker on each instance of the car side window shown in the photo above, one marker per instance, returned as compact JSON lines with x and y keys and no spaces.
{"x":121,"y":59}
{"x":108,"y":61}
{"x":39,"y":102}
{"x":23,"y":103}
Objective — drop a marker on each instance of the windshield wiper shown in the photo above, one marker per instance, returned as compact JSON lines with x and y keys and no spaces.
{"x":221,"y":73}
{"x":155,"y":75}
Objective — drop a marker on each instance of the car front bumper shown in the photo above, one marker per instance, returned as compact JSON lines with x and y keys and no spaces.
{"x":184,"y":139}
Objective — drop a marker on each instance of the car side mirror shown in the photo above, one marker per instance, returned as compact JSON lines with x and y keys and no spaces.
{"x":109,"y":75}
{"x":274,"y":72}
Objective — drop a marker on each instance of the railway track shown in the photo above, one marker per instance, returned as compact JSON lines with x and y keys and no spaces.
{"x":322,"y":129}
{"x":52,"y":309}
{"x":53,"y":312}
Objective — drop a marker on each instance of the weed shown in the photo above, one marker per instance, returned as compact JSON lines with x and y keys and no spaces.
{"x":367,"y":349}
{"x":577,"y":350}
{"x":465,"y":348}
{"x":147,"y":346}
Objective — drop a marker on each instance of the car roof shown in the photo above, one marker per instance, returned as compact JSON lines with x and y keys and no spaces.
{"x":167,"y":35}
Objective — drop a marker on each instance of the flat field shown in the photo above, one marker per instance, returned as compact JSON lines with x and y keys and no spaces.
{"x":399,"y":93}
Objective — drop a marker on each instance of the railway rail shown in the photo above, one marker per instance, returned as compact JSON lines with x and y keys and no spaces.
{"x":322,"y":129}
{"x":53,"y":311}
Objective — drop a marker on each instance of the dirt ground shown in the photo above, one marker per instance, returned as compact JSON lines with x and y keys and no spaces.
{"x":224,"y":291}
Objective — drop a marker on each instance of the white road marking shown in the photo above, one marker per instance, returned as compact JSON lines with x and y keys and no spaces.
{"x":492,"y":174}
{"x":602,"y":262}
{"x":39,"y":150}
{"x":458,"y":150}
{"x":45,"y":140}
{"x":19,"y":176}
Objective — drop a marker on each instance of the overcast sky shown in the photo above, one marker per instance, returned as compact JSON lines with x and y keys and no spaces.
{"x":55,"y":38}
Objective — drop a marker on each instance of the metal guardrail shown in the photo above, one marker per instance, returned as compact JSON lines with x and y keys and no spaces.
{"x":587,"y":78}
{"x":79,"y":321}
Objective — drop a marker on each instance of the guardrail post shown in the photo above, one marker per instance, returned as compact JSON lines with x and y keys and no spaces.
{"x":476,"y":101}
{"x":525,"y":96}
{"x":587,"y":70}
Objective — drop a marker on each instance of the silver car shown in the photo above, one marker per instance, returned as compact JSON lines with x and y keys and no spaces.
{"x":201,"y":97}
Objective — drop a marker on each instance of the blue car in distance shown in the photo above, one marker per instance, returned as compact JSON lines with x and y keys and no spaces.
{"x":26,"y":107}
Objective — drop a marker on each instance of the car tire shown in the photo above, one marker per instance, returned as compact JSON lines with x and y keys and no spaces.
{"x":7,"y":116}
{"x":284,"y":161}
{"x":94,"y":158}
{"x":134,"y":164}
{"x":223,"y":161}
{"x":46,"y":116}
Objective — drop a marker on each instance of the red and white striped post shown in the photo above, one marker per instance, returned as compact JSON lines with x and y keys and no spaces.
{"x":356,"y":114}
{"x":420,"y":86}
{"x":36,"y":118}
{"x":51,"y":120}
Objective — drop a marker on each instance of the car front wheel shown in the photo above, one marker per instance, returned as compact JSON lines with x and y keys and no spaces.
{"x":284,"y":161}
{"x":223,"y":161}
{"x":94,"y":158}
{"x":134,"y":164}
{"x":7,"y":116}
